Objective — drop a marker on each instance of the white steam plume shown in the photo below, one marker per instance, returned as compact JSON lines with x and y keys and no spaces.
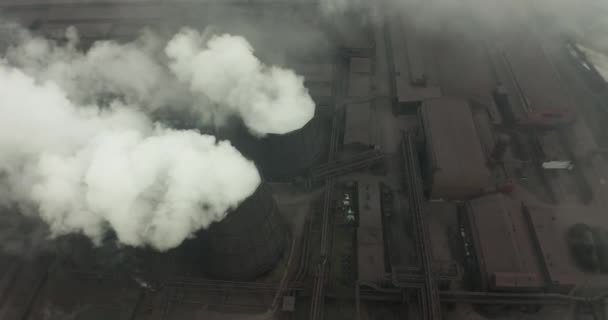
{"x":128,"y":71}
{"x":85,"y":169}
{"x":212,"y":80}
{"x":584,"y":21}
{"x":225,"y":70}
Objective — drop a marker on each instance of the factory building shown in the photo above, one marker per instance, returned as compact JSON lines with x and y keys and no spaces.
{"x":359,"y":115}
{"x":411,"y":77}
{"x":517,"y":247}
{"x":454,"y":162}
{"x":558,"y":271}
{"x":506,"y":258}
{"x":357,"y":135}
{"x":383,"y":254}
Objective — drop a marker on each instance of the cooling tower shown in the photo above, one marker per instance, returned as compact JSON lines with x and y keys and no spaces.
{"x":247,"y":243}
{"x":280,"y":157}
{"x":291,"y":155}
{"x":78,"y":253}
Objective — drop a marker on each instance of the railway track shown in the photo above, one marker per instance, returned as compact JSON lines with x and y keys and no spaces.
{"x":472,"y":297}
{"x":416,"y":199}
{"x":318,"y":293}
{"x":422,"y":279}
{"x":318,"y":301}
{"x":304,"y":256}
{"x":186,"y":290}
{"x":204,"y":284}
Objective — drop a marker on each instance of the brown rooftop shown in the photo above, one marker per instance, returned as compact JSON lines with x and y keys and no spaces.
{"x":503,"y":244}
{"x":457,"y":162}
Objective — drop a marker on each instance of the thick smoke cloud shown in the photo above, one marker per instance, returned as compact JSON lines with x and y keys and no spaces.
{"x":89,"y":170}
{"x":583,"y":19}
{"x":79,"y":150}
{"x":129,"y":71}
{"x":584,"y":22}
{"x":224,"y":69}
{"x":209,"y":78}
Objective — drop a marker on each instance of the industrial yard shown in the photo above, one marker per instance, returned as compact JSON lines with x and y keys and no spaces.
{"x":452,"y":168}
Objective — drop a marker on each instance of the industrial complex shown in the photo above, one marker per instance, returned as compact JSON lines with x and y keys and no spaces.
{"x":453,"y":169}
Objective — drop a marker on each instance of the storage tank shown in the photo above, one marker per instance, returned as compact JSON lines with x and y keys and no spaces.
{"x":247,"y":243}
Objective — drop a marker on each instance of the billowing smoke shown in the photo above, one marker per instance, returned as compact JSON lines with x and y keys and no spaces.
{"x":584,"y":22}
{"x":88,"y":170}
{"x":126,"y":71}
{"x":210,"y":78}
{"x":223,"y":69}
{"x":78,"y":147}
{"x":583,"y":18}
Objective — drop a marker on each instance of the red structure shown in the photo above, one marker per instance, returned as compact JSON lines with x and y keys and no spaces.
{"x":548,"y":118}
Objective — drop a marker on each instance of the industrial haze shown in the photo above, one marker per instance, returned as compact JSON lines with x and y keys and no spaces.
{"x":395,"y":203}
{"x":189,"y":73}
{"x":583,"y":20}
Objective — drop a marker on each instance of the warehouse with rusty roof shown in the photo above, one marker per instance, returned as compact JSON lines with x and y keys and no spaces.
{"x":455,"y":161}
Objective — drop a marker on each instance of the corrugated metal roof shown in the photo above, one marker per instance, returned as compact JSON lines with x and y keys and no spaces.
{"x":409,"y":62}
{"x":458,"y":162}
{"x":359,"y":115}
{"x":551,"y":247}
{"x":358,"y":123}
{"x":441,"y":217}
{"x":503,"y":244}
